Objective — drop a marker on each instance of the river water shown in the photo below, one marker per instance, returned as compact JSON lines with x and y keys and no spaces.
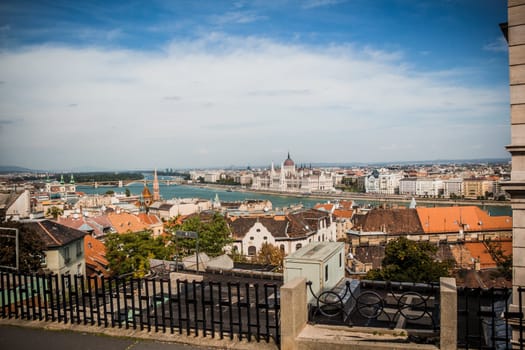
{"x":278,"y":201}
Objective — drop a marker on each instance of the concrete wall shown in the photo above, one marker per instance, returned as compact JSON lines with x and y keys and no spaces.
{"x":516,"y":187}
{"x":294,"y":313}
{"x":297,"y":334}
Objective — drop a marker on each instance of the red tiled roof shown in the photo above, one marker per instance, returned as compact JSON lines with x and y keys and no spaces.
{"x":95,"y":255}
{"x":149,"y":219}
{"x":391,"y":221}
{"x":329,"y":207}
{"x":125,"y":222}
{"x":452,"y":219}
{"x":343,"y":213}
{"x":479,"y":251}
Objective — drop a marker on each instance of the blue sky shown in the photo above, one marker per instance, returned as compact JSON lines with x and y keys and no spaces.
{"x":136,"y":84}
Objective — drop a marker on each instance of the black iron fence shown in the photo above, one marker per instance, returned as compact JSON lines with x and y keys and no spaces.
{"x":413,"y":307}
{"x":248,"y":311}
{"x":489,"y":319}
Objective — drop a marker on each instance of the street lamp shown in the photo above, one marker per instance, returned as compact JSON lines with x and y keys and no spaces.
{"x":194,"y":235}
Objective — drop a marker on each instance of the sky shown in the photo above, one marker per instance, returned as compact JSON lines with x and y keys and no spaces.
{"x":114,"y":85}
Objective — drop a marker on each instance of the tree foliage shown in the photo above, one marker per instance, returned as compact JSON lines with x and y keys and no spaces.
{"x":31,"y":248}
{"x":213,"y":233}
{"x":131,"y":252}
{"x":409,"y":261}
{"x":102,"y":176}
{"x":270,"y":255}
{"x":54,"y":212}
{"x":503,"y":261}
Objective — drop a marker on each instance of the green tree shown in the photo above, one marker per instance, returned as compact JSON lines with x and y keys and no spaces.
{"x":131,"y":252}
{"x":30,"y":248}
{"x":409,"y":261}
{"x":213,"y":233}
{"x":128,"y":192}
{"x":54,"y":212}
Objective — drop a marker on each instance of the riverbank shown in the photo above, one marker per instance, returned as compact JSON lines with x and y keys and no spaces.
{"x":357,"y":196}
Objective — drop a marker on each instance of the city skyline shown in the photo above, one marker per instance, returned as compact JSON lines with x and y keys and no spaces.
{"x":127,"y":85}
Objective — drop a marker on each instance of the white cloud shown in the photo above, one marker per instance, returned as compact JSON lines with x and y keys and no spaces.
{"x":498,"y":45}
{"x":239,"y":17}
{"x":320,"y":3}
{"x":226,"y":100}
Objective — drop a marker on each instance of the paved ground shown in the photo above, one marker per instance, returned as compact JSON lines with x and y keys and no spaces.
{"x":16,"y":334}
{"x":19,"y":338}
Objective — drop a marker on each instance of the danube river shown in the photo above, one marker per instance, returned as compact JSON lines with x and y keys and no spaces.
{"x":278,"y":201}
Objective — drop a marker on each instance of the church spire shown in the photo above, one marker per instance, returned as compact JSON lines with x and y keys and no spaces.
{"x":156,"y":189}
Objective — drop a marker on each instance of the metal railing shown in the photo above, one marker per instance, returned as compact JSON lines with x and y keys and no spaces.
{"x":248,"y":311}
{"x":413,"y":307}
{"x":487,"y":319}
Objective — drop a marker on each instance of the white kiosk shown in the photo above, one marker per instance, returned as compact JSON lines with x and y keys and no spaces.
{"x":322,"y":263}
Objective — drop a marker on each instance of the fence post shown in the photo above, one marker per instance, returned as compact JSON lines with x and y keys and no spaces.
{"x":294,"y":312}
{"x":448,"y":313}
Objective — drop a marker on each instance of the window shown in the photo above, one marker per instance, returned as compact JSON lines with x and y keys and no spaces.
{"x":252,"y":250}
{"x":340,"y":259}
{"x":265,"y":238}
{"x":251,"y":238}
{"x":79,"y":248}
{"x":298,"y":246}
{"x":258,"y":230}
{"x":326,"y":273}
{"x":67,"y":258}
{"x":282,"y":248}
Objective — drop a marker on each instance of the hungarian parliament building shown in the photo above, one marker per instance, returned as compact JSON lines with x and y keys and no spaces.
{"x":290,"y":179}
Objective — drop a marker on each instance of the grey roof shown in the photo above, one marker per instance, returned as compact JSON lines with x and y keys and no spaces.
{"x":54,"y":234}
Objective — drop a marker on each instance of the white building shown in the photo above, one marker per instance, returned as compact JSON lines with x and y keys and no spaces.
{"x":61,"y":186}
{"x":383,"y":182}
{"x":453,"y":187}
{"x":287,"y":232}
{"x":15,"y":206}
{"x":429,"y":187}
{"x":183,"y":206}
{"x":290,"y":179}
{"x":212,"y":177}
{"x":408,"y":186}
{"x":64,"y":247}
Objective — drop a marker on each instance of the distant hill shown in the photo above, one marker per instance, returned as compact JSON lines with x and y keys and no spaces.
{"x":4,"y":169}
{"x":93,"y":169}
{"x":420,"y":162}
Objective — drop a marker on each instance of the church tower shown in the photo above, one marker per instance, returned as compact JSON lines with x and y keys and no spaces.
{"x":156,"y":189}
{"x":147,"y":198}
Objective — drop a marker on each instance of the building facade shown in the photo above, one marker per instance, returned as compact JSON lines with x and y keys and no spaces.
{"x":516,"y":187}
{"x":382,"y":182}
{"x":64,"y":247}
{"x":287,"y":232}
{"x":290,"y":179}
